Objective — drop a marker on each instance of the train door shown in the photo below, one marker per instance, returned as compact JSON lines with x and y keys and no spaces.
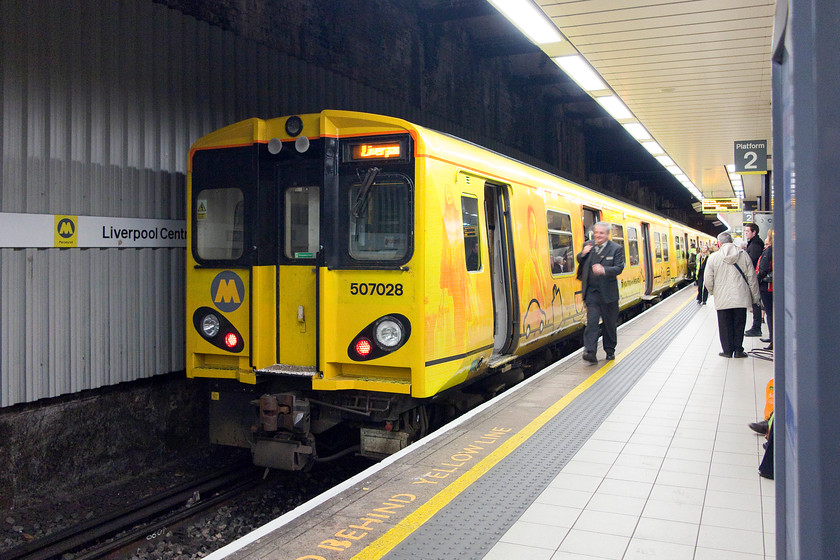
{"x":284,"y":313}
{"x":648,"y":259}
{"x":502,"y":267}
{"x":591,"y":216}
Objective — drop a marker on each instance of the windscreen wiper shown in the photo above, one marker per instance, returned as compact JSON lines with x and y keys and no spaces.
{"x":361,"y":202}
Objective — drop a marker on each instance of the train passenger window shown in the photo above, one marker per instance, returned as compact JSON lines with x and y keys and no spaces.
{"x":380,"y":218}
{"x":678,"y":247}
{"x":657,"y":244}
{"x":472,"y":245}
{"x":693,"y":244}
{"x":590,"y":218}
{"x":633,"y":245}
{"x":665,"y":247}
{"x":302,"y":222}
{"x":561,"y":249}
{"x":617,"y":234}
{"x":219,"y":224}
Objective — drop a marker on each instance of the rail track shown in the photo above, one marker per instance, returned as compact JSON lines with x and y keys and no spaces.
{"x":119,"y":530}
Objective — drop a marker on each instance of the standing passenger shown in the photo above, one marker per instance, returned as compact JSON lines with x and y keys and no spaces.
{"x":692,"y":264}
{"x":702,"y":292}
{"x":755,"y":246}
{"x":764,"y":273}
{"x":730,"y":278}
{"x":601,"y":262}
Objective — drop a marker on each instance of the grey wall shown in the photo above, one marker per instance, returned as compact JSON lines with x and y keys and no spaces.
{"x":806,"y":133}
{"x":93,"y":122}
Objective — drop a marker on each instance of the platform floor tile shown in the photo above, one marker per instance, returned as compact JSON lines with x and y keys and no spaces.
{"x":671,"y":473}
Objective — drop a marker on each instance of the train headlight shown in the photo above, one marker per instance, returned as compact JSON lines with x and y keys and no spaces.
{"x":388,"y":333}
{"x":210,"y":325}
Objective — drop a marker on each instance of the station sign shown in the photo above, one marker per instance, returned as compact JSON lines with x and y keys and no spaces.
{"x":751,"y":157}
{"x":721,"y":205}
{"x":41,"y":231}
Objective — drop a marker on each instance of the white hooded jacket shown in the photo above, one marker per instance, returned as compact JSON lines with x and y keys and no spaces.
{"x":725,"y":282}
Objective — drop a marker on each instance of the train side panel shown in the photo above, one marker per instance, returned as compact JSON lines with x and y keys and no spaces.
{"x":458,"y":302}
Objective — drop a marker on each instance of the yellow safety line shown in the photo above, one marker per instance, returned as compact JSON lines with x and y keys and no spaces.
{"x":381,"y":546}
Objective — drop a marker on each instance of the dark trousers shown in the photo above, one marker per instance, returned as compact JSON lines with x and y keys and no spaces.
{"x":596,"y":311}
{"x":702,"y":292}
{"x":766,"y":468}
{"x":767,"y":303}
{"x":756,"y":312}
{"x":731,"y":323}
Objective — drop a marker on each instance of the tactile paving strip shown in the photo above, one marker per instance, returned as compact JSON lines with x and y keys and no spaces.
{"x":473,"y":522}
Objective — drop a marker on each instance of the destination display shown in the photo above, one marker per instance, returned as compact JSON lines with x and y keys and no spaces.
{"x":721,"y":205}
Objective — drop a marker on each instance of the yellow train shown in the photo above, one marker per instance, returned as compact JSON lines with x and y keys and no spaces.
{"x":350,"y":269}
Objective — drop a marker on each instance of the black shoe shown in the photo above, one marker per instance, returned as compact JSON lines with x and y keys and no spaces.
{"x":589,"y":357}
{"x":759,"y":427}
{"x":739,"y":354}
{"x":610,"y":356}
{"x":764,"y":339}
{"x":704,"y":303}
{"x":753,"y":332}
{"x":765,"y":475}
{"x":724,"y":354}
{"x":769,"y":347}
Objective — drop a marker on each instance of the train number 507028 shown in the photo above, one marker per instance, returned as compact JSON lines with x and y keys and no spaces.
{"x":375,"y":289}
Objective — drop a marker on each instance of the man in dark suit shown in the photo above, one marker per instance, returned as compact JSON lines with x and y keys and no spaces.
{"x":755,"y":246}
{"x":601,"y":262}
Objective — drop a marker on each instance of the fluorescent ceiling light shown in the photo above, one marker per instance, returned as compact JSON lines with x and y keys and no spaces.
{"x":673,"y":169}
{"x":615,"y":107}
{"x":579,"y":70}
{"x":682,"y":178}
{"x":530,"y":20}
{"x":665,"y":161}
{"x":638,"y":132}
{"x":651,"y":146}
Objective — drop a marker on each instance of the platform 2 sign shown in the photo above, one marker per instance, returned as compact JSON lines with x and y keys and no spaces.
{"x":751,"y":157}
{"x":42,"y":231}
{"x":721,"y":205}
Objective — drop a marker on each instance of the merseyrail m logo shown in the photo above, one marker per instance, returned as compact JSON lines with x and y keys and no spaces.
{"x":65,"y":231}
{"x":227,"y":291}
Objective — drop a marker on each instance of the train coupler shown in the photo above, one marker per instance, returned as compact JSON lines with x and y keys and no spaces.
{"x":282,"y":412}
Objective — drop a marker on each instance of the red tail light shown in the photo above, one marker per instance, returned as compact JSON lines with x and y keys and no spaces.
{"x":231,"y":340}
{"x":363,"y":347}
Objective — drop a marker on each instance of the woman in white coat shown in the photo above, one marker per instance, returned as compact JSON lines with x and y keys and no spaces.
{"x":734,"y":291}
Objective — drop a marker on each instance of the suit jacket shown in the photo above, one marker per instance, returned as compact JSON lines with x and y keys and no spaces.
{"x":612,"y":259}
